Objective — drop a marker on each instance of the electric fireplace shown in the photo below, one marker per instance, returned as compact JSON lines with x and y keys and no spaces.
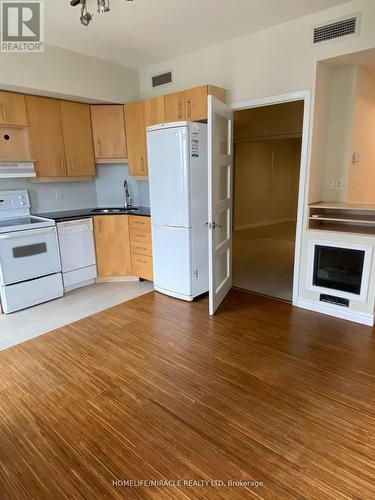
{"x":341,"y":270}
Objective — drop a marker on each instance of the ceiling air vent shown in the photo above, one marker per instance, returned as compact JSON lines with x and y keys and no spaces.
{"x":162,"y":79}
{"x":337,"y":29}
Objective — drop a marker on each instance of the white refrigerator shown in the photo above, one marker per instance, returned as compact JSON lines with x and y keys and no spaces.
{"x":177,"y":162}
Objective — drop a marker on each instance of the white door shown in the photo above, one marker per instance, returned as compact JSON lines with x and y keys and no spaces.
{"x":220,"y":187}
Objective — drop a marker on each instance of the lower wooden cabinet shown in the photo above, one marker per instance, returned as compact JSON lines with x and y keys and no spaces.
{"x":112,"y":243}
{"x":123,"y":246}
{"x":141,"y":247}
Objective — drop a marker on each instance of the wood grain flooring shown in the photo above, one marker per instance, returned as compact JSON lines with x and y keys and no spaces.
{"x":155,"y":389}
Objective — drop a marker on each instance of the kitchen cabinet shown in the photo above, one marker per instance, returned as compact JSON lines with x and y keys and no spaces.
{"x":191,"y":104}
{"x":46,"y":136}
{"x":108,"y":128}
{"x":77,"y":133}
{"x":14,"y":144}
{"x":136,"y":138}
{"x":154,"y":111}
{"x":112,"y":243}
{"x":141,"y":247}
{"x":12,"y":109}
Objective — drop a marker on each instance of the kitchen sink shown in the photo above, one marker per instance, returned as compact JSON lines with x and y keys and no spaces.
{"x":114,"y":210}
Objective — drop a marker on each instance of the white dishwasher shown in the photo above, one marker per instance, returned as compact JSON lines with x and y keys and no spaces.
{"x":77,"y":250}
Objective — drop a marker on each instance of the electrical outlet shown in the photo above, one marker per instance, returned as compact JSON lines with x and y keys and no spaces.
{"x":59,"y":193}
{"x":330,"y":185}
{"x":339,"y":184}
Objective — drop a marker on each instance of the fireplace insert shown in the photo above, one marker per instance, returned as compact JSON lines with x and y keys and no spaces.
{"x":338,"y":268}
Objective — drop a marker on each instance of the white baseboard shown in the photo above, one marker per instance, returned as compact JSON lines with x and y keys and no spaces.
{"x":336,"y":311}
{"x":262,"y":223}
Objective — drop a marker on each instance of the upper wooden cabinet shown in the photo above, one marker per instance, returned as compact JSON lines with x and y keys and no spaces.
{"x":60,"y":137}
{"x":12,"y":109}
{"x":46,"y":136}
{"x":154,"y":111}
{"x":77,"y":132}
{"x":108,"y":128}
{"x":112,"y":243}
{"x":191,"y":105}
{"x":136,"y":137}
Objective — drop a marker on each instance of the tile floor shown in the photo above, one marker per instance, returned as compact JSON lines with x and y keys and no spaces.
{"x":29,"y":323}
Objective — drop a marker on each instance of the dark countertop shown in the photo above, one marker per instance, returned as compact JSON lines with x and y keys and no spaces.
{"x":81,"y":213}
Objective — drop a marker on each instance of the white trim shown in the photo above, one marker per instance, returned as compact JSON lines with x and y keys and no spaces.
{"x":368,"y":249}
{"x":304,"y":95}
{"x":336,"y":311}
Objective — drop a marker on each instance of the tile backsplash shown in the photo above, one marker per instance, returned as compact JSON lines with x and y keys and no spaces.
{"x":109,"y":183}
{"x":105,"y":190}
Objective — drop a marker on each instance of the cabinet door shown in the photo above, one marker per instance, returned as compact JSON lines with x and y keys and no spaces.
{"x":108,"y":128}
{"x":136,"y":137}
{"x":196,"y":103}
{"x":77,"y":132}
{"x":46,"y":136}
{"x":154,"y":111}
{"x":175,"y":107}
{"x":112,"y":245}
{"x":12,"y":109}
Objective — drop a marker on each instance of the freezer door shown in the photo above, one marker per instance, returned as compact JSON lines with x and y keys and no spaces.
{"x":171,"y":249}
{"x":168,"y":163}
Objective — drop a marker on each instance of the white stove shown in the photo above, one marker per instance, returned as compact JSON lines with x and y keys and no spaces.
{"x":30,"y":268}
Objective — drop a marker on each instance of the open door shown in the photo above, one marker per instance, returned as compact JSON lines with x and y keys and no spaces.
{"x":220,"y":188}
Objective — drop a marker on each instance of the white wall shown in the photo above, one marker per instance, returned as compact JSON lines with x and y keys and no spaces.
{"x":64,"y":73}
{"x":43,"y":195}
{"x":109,"y":183}
{"x":361,"y":183}
{"x":105,"y":190}
{"x":339,"y":131}
{"x":273,"y":61}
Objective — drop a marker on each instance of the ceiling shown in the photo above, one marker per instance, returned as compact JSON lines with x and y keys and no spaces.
{"x":148,"y":31}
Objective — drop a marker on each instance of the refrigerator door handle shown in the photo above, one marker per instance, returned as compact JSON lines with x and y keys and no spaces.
{"x":178,"y":226}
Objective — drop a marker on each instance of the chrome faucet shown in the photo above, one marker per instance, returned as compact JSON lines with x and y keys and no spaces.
{"x":128,"y":202}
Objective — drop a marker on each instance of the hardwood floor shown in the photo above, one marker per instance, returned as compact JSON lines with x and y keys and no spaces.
{"x":156,"y":389}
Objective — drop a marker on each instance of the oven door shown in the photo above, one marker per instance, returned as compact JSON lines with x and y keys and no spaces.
{"x":29,"y":254}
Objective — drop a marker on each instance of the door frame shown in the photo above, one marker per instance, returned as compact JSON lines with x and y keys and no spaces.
{"x":305,"y":96}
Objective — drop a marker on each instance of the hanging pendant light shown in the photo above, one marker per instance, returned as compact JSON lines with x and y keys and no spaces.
{"x":103,"y":6}
{"x":86,"y":16}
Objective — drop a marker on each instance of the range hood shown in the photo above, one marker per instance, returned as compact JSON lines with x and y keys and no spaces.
{"x":11,"y":170}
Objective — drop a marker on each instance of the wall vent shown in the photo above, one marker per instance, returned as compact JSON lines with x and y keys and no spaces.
{"x":162,"y":79}
{"x":337,"y":29}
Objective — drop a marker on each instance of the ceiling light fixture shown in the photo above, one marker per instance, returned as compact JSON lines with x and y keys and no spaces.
{"x":86,"y":16}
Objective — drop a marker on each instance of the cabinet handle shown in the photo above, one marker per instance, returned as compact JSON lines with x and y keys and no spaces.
{"x":189,"y":109}
{"x":62,"y":166}
{"x":4,"y":111}
{"x":98,"y":148}
{"x":180,"y":109}
{"x":142,"y":164}
{"x":71,"y":161}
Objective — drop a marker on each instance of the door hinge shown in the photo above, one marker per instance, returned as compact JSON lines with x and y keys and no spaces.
{"x":196,"y":274}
